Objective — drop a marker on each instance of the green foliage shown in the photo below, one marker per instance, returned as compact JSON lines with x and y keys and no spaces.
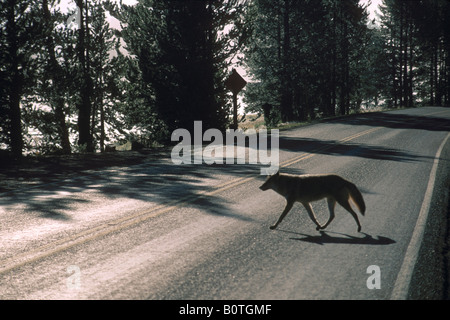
{"x":20,"y":25}
{"x":306,"y":57}
{"x":181,"y":58}
{"x":76,"y":88}
{"x":416,"y":39}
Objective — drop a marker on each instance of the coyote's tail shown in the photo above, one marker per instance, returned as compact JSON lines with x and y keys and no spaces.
{"x":357,"y":197}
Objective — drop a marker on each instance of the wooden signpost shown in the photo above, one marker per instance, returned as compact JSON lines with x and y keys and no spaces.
{"x":235,"y":83}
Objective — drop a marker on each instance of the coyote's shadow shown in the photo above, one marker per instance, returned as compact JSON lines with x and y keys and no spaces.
{"x":336,"y":237}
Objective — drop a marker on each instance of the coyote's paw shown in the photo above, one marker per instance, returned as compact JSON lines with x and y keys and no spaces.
{"x":272,"y":227}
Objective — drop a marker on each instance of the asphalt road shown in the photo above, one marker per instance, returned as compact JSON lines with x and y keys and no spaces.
{"x":157,"y":230}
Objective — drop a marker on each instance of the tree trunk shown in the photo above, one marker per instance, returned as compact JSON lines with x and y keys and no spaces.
{"x":84,"y":107}
{"x":15,"y":87}
{"x":57,"y":101}
{"x":15,"y":95}
{"x":332,"y":110}
{"x":286,"y":83}
{"x":411,"y":65}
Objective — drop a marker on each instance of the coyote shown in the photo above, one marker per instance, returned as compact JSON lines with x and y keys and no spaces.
{"x":308,"y":188}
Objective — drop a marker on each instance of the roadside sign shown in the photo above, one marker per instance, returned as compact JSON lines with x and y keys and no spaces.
{"x":235,"y":83}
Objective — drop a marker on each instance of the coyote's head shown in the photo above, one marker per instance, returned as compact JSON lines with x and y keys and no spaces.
{"x":270,"y":182}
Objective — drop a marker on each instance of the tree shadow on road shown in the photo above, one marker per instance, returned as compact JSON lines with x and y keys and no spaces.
{"x":336,"y":237}
{"x":364,"y":150}
{"x":59,"y":194}
{"x":334,"y":148}
{"x":393,"y":120}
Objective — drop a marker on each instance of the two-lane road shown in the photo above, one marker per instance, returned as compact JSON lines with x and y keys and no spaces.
{"x":162,"y":231}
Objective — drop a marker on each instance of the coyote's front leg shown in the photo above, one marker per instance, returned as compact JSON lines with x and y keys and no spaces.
{"x":285,"y":211}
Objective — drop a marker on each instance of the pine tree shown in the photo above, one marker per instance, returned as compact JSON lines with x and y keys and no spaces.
{"x":54,"y":77}
{"x":302,"y":54}
{"x":417,"y":42}
{"x":182,"y":58}
{"x":105,"y":70}
{"x":20,"y":26}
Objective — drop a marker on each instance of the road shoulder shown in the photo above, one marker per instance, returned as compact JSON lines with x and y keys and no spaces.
{"x":431,"y":275}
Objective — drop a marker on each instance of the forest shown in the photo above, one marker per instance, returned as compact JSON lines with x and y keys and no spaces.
{"x":71,"y":82}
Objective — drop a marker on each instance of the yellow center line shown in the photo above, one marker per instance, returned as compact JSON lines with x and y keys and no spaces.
{"x":308,"y":155}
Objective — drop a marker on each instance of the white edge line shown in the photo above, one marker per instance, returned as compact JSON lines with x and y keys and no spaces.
{"x":401,"y":286}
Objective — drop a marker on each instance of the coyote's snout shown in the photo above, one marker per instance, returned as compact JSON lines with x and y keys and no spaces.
{"x":309,"y":188}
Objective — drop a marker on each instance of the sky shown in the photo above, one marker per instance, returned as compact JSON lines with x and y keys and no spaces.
{"x":373,"y":7}
{"x":70,"y":4}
